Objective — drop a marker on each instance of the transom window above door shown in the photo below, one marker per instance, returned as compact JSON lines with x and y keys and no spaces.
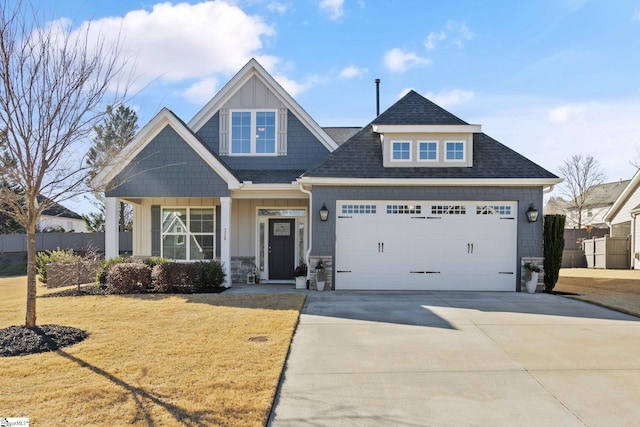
{"x":253,"y":132}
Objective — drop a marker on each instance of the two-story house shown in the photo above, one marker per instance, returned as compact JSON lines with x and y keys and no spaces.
{"x":416,"y":199}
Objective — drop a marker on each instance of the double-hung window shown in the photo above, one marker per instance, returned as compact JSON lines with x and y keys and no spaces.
{"x":253,"y":132}
{"x":401,"y":151}
{"x":454,"y":151}
{"x":188,"y":233}
{"x":428,"y":151}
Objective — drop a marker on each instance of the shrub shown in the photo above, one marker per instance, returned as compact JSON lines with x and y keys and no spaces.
{"x":128,"y":278}
{"x":57,"y":256}
{"x":101,"y":273}
{"x":175,"y":277}
{"x":211,"y":274}
{"x":155,"y":260}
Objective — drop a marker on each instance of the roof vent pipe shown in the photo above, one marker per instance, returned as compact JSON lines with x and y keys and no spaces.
{"x":377,"y":97}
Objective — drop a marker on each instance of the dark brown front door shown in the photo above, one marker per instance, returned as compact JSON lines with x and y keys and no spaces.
{"x":282,"y":236}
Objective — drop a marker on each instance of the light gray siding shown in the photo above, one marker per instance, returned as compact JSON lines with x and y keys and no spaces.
{"x":529,"y":234}
{"x":167,"y":167}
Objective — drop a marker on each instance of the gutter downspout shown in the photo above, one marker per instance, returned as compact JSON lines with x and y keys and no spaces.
{"x":308,"y":254}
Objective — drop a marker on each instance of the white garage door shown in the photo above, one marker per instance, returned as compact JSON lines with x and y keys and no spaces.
{"x":430,"y":245}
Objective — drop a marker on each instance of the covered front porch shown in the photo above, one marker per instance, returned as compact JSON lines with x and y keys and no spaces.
{"x":263,"y":234}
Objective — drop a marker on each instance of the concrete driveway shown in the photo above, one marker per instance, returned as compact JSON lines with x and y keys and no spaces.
{"x":459,"y":359}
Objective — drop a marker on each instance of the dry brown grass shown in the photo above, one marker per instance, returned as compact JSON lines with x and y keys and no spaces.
{"x":150,"y":360}
{"x":616,"y":289}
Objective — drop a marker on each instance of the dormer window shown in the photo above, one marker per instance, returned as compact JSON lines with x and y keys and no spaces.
{"x":253,"y":132}
{"x":401,"y":151}
{"x":454,"y":151}
{"x":428,"y":151}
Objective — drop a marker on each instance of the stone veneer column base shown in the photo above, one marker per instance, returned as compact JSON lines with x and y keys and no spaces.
{"x":328,"y":262}
{"x":240,"y":267}
{"x":540,"y":262}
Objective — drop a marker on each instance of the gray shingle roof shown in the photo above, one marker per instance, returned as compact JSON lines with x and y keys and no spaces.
{"x":56,"y":209}
{"x":341,"y":134}
{"x":605,"y":194}
{"x":361,"y":156}
{"x":414,"y":109}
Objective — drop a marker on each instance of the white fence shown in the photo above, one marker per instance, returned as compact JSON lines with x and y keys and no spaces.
{"x":49,"y":241}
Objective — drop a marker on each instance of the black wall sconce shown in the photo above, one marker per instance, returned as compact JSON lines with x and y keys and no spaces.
{"x":532,"y":213}
{"x":324,"y":213}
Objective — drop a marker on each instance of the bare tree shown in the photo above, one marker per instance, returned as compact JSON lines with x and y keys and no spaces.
{"x":52,"y":91}
{"x":636,"y":161}
{"x":580,"y":174}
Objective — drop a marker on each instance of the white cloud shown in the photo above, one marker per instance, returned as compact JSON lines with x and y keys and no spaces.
{"x":547,"y":134}
{"x":202,"y":91}
{"x":334,"y":8}
{"x":279,"y":7}
{"x":352,"y":71}
{"x":178,"y":42}
{"x":567,"y":114}
{"x":636,"y":15}
{"x":398,"y":61}
{"x":433,"y":38}
{"x":294,"y":88}
{"x":459,"y":33}
{"x":450,"y":98}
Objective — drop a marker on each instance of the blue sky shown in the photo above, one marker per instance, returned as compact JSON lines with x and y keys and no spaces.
{"x":547,"y":78}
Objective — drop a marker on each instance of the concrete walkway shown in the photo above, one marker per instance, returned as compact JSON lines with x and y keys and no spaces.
{"x":459,"y":359}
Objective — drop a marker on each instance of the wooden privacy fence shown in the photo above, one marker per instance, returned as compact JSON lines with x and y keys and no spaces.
{"x":607,"y":252}
{"x":11,"y":243}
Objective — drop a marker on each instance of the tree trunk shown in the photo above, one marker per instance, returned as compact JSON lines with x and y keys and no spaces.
{"x":30,"y":321}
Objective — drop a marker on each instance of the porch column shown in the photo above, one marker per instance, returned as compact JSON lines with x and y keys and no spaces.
{"x":225,"y":238}
{"x":111,"y":233}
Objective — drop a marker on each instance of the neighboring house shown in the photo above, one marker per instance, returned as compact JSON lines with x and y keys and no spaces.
{"x":57,"y":218}
{"x":598,"y":201}
{"x":622,"y":217}
{"x":417,"y":199}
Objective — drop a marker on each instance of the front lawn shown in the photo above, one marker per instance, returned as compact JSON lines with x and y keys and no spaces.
{"x":194,"y":360}
{"x":615,"y":289}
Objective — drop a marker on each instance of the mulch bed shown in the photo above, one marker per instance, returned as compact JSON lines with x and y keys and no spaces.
{"x":21,"y":340}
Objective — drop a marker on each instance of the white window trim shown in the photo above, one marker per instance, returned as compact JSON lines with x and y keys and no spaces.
{"x":410,"y":159}
{"x":253,"y":136}
{"x":437,"y":159}
{"x":188,"y":233}
{"x":464,"y":151}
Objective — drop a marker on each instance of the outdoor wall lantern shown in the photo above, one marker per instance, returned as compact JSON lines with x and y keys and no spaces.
{"x":324,"y":213}
{"x":532,"y":213}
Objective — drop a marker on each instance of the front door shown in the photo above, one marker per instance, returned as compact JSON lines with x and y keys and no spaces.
{"x":281,"y":248}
